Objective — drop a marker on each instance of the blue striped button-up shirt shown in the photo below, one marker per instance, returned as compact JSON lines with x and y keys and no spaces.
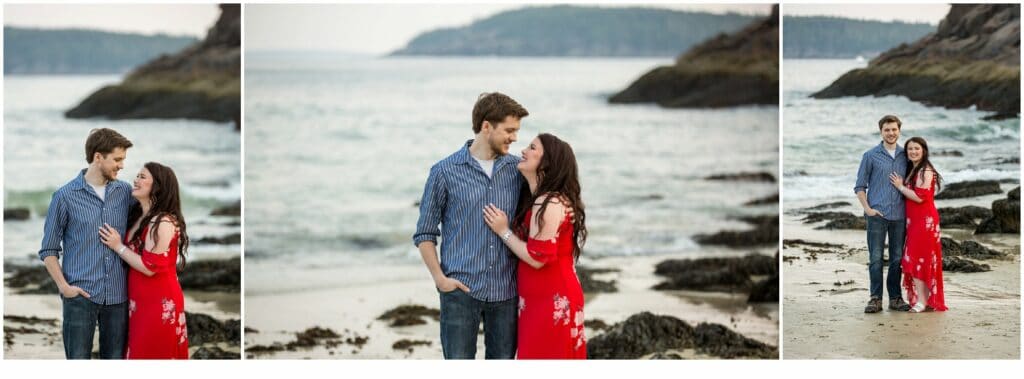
{"x":455,"y":195}
{"x":72,"y":226}
{"x":873,"y":177}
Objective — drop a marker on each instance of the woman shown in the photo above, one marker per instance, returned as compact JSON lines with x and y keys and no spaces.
{"x":922,"y":253}
{"x":550,"y":219}
{"x":153,"y":245}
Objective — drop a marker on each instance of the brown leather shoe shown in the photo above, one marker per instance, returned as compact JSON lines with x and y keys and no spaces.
{"x":874,"y":305}
{"x":898,"y":305}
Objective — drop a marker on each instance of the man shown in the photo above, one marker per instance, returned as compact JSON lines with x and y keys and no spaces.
{"x":884,"y":211}
{"x":476,"y":274}
{"x":90,"y":276}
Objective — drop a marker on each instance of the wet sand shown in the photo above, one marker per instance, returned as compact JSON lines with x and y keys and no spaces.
{"x":823,"y":320}
{"x":349,"y":299}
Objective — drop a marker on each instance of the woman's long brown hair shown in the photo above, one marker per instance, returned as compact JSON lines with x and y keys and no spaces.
{"x":557,"y":176}
{"x":913,"y":171}
{"x":166,"y":202}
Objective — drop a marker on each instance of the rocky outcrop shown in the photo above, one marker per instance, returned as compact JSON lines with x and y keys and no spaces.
{"x":719,"y":274}
{"x":644,"y":333}
{"x":212,"y":275}
{"x":16,"y":214}
{"x":1005,"y":215}
{"x":234,"y":210}
{"x":969,"y":249}
{"x":744,"y":176}
{"x":971,"y":188}
{"x":406,"y":315}
{"x":200,"y":82}
{"x":765,"y":232}
{"x":957,"y":264}
{"x":591,"y":285}
{"x":203,"y":329}
{"x":729,"y":70}
{"x":963,"y":217}
{"x":972,"y":59}
{"x":836,"y":220}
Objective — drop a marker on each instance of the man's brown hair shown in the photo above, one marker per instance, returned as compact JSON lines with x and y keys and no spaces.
{"x":104,"y":141}
{"x":494,"y":107}
{"x":890,"y":118}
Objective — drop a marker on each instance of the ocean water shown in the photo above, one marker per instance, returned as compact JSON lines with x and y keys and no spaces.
{"x":824,"y":139}
{"x":338,"y":149}
{"x":43,"y":151}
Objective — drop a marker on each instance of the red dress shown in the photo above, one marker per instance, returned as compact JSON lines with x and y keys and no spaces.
{"x":551,"y":299}
{"x":922,"y":252}
{"x":156,"y":307}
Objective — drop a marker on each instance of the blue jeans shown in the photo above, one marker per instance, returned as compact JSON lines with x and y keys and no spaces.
{"x":81,"y":316}
{"x":460,"y":321}
{"x":878,"y":229}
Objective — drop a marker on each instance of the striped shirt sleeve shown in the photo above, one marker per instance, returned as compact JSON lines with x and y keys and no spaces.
{"x":54,"y":227}
{"x":432,"y":207}
{"x":863,"y":173}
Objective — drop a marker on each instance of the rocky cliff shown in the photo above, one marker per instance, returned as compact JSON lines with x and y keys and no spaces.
{"x":200,"y":82}
{"x":728,"y":70}
{"x":972,"y":59}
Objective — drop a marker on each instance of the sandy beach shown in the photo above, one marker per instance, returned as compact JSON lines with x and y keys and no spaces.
{"x":32,"y":324}
{"x":825,"y":291}
{"x":349,"y":299}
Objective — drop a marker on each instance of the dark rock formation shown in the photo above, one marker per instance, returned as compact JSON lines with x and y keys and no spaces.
{"x":962,"y":217}
{"x":212,"y":275}
{"x":645,"y":333}
{"x":972,"y":59}
{"x":969,"y":249}
{"x":772,"y":199}
{"x":200,"y":82}
{"x":591,"y":285}
{"x":825,"y":206}
{"x":957,"y":264}
{"x":728,"y":70}
{"x":228,"y":210}
{"x":745,"y":176}
{"x":203,"y":329}
{"x":230,"y":239}
{"x":213,"y":352}
{"x":714,"y":274}
{"x":765,"y":232}
{"x":836,"y":220}
{"x":405,"y":315}
{"x":16,"y":214}
{"x":765,"y":291}
{"x":1005,"y":215}
{"x":973,"y":188}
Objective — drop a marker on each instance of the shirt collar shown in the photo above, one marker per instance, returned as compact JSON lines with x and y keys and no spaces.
{"x":881,"y":148}
{"x":465,"y":157}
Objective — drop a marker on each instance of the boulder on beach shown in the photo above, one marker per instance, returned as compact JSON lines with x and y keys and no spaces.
{"x":962,"y":217}
{"x":212,"y":275}
{"x":646,"y":333}
{"x":836,"y":220}
{"x":203,"y":329}
{"x":234,"y":209}
{"x":771,"y":199}
{"x":971,"y":188}
{"x":957,"y":264}
{"x":213,"y":352}
{"x":16,"y":214}
{"x":744,"y":177}
{"x":729,"y":70}
{"x":969,"y":249}
{"x":590,"y":285}
{"x":820,"y":207}
{"x":230,"y":239}
{"x":718,"y":274}
{"x":972,"y":59}
{"x":1005,"y":215}
{"x":765,"y":232}
{"x":200,"y":82}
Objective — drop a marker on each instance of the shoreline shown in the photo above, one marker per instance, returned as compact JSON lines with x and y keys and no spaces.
{"x":824,"y":293}
{"x":351,"y":308}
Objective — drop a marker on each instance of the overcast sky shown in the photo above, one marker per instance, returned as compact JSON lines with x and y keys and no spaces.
{"x":382,"y":28}
{"x":928,"y":13}
{"x":177,"y":19}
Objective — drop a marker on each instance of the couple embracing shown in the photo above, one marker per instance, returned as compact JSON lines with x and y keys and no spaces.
{"x":511,"y":230}
{"x":127,"y":286}
{"x":896,"y":187}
